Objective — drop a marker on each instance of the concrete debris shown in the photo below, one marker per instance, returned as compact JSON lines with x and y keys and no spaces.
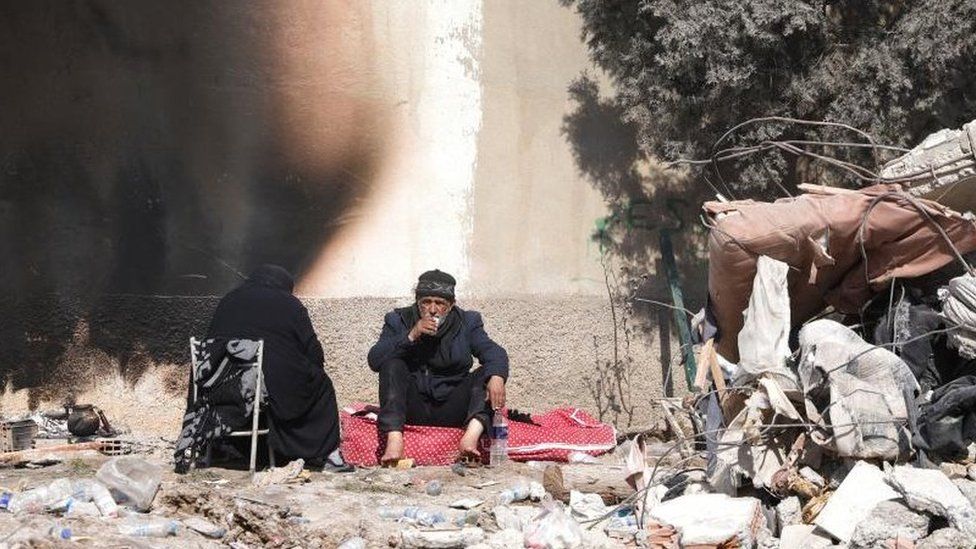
{"x":353,"y":543}
{"x":946,"y":538}
{"x":931,"y":491}
{"x":513,"y":518}
{"x":441,"y":539}
{"x":862,"y":490}
{"x":889,"y":520}
{"x":703,"y":519}
{"x":788,"y":512}
{"x":968,"y":489}
{"x":804,"y":536}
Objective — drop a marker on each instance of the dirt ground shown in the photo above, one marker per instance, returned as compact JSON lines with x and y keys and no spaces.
{"x":324,"y":510}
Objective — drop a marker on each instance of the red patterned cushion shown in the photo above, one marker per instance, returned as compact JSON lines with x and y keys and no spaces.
{"x":559,"y":432}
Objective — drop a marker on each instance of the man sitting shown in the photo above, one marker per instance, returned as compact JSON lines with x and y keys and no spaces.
{"x":424,"y":361}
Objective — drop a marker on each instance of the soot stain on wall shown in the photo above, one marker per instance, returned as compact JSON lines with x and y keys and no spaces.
{"x":139,"y":156}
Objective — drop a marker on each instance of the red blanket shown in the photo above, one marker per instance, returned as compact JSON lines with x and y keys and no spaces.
{"x":558,"y":433}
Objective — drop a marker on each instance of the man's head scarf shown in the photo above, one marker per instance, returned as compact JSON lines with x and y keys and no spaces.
{"x":437,"y":284}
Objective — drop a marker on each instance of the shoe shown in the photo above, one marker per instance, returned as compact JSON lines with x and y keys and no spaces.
{"x":335,"y":464}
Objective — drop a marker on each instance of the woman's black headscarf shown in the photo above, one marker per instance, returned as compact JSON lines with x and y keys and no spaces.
{"x":272,"y":276}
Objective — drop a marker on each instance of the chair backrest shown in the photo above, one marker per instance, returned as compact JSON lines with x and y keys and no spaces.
{"x":196,"y":353}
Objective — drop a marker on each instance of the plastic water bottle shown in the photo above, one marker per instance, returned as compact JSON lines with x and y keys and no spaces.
{"x":58,"y":531}
{"x":5,"y":498}
{"x":423,"y":517}
{"x":31,"y":501}
{"x":90,"y":490}
{"x":499,"y":439}
{"x":149,"y":528}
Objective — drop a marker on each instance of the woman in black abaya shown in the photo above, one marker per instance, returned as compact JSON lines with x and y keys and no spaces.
{"x":302,"y":410}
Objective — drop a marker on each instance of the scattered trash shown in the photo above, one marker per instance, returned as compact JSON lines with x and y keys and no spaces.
{"x":280,"y":475}
{"x":553,"y":529}
{"x":586,"y":506}
{"x":132,"y":481}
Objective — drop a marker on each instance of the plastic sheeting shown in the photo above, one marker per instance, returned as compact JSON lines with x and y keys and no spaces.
{"x":855,"y":392}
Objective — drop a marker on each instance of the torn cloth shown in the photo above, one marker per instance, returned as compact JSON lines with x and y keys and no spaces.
{"x":818,"y":236}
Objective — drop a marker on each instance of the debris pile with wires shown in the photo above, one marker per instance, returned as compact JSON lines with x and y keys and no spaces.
{"x":834,"y":372}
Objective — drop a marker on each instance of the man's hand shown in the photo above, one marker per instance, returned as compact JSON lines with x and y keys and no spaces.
{"x":424,"y":326}
{"x":496,"y":392}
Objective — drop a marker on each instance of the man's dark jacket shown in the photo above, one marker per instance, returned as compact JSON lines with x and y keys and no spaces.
{"x":471,"y":340}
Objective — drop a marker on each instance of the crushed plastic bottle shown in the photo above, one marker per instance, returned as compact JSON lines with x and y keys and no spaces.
{"x":132,"y":481}
{"x":518,"y":492}
{"x":57,"y":531}
{"x":418,"y":515}
{"x":38,"y":500}
{"x":149,"y":527}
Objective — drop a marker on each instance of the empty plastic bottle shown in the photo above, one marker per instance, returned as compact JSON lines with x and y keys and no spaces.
{"x":57,"y":531}
{"x":5,"y":498}
{"x":149,"y":527}
{"x":519,"y":492}
{"x":39,"y":499}
{"x":90,"y":490}
{"x":498,"y":454}
{"x":423,"y":517}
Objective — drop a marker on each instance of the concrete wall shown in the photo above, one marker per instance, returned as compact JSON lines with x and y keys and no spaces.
{"x":150,"y":153}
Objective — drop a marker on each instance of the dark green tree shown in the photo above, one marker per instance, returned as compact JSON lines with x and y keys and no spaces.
{"x":684,"y":72}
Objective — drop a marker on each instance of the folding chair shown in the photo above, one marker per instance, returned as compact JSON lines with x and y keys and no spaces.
{"x":254,"y":431}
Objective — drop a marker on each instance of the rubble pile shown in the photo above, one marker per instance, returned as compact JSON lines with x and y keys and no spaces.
{"x":835,"y":383}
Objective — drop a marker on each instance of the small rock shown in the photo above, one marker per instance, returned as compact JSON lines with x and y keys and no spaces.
{"x":888,"y":520}
{"x":953,"y":470}
{"x":971,"y":471}
{"x":459,"y":469}
{"x":944,"y":538}
{"x":788,"y":512}
{"x":433,"y":488}
{"x":536,"y":491}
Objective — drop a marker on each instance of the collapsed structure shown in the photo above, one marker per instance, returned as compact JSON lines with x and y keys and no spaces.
{"x":834,"y":361}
